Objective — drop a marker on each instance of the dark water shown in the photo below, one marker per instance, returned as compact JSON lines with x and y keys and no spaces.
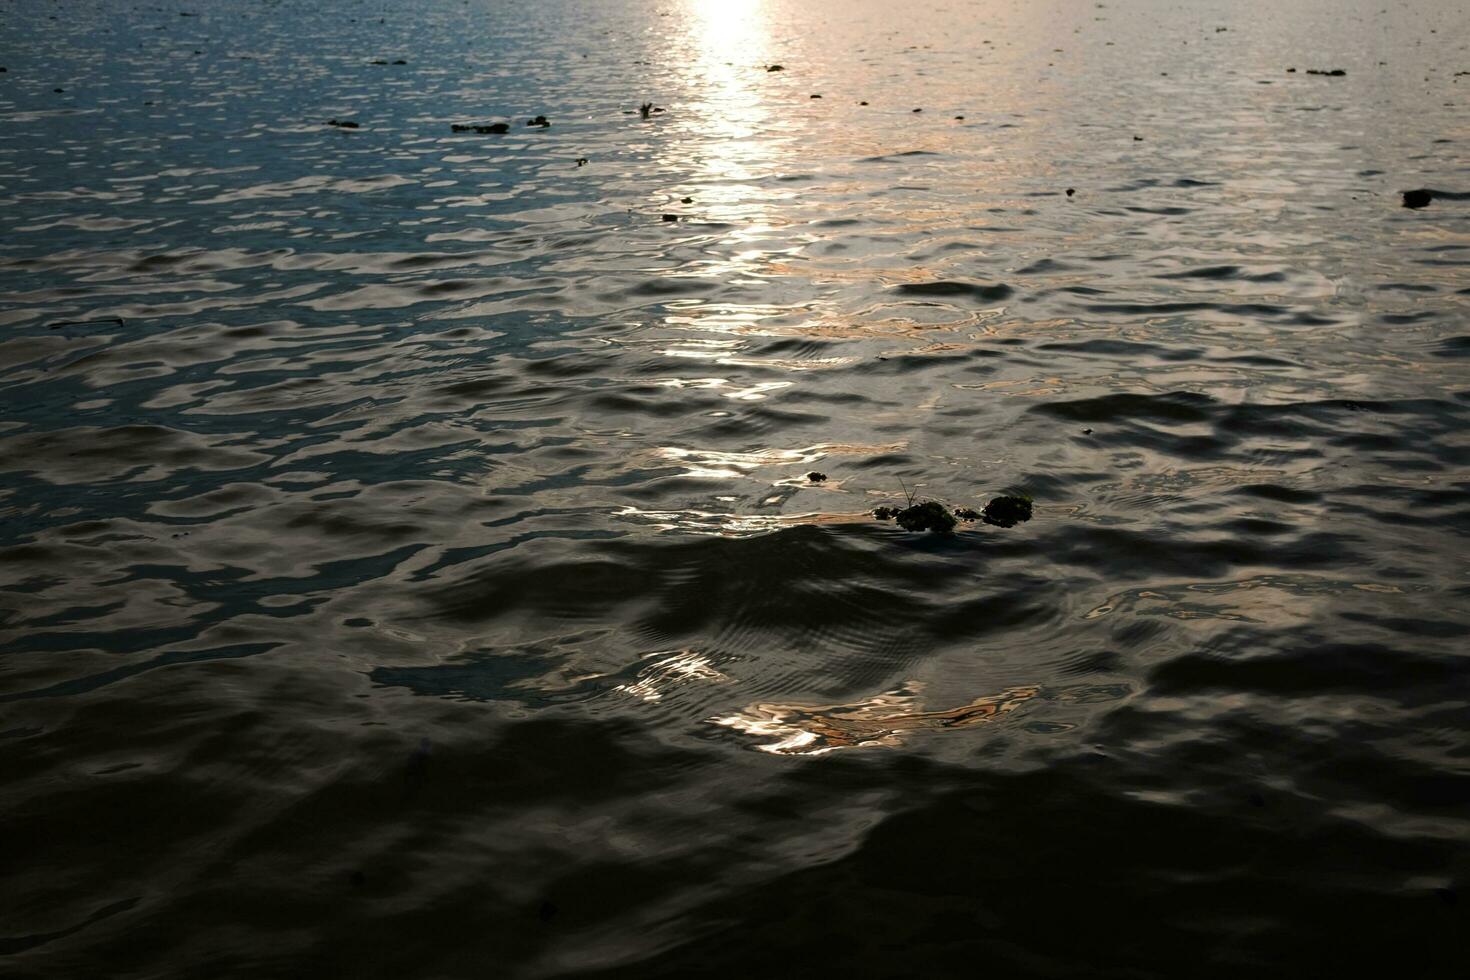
{"x":409,"y":568}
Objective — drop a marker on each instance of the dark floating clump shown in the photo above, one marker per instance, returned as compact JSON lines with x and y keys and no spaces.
{"x":645,"y":110}
{"x":814,"y":96}
{"x":581,"y":161}
{"x":1071,"y":191}
{"x":1006,"y":511}
{"x":671,"y":217}
{"x":816,"y":477}
{"x":1418,"y":198}
{"x":541,"y":121}
{"x":967,"y":513}
{"x":863,"y":103}
{"x":477,"y":128}
{"x":775,"y":68}
{"x":400,"y":61}
{"x":378,"y":61}
{"x":1330,"y":73}
{"x":686,"y":200}
{"x":931,"y":515}
{"x":343,"y":123}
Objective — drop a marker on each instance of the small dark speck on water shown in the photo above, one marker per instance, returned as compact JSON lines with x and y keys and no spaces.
{"x":1417,"y":198}
{"x":1071,"y":191}
{"x":686,"y":200}
{"x":671,"y":217}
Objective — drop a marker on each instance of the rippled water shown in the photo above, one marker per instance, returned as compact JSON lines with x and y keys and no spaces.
{"x":409,"y":567}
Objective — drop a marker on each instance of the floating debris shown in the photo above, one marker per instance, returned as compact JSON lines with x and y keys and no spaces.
{"x":930,"y":515}
{"x":967,"y":514}
{"x":816,"y":477}
{"x":862,"y":103}
{"x":1007,"y":511}
{"x":814,"y":96}
{"x":343,"y":123}
{"x":541,"y":121}
{"x":1071,"y":191}
{"x":581,"y":161}
{"x":477,"y":128}
{"x":671,"y":217}
{"x":686,"y":200}
{"x":1417,"y":199}
{"x":918,"y":110}
{"x":775,"y":68}
{"x":1331,"y":73}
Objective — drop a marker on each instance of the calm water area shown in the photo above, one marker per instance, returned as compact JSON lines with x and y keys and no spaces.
{"x":409,"y":563}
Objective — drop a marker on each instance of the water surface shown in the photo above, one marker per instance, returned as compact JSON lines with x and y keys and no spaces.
{"x":409,"y":568}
